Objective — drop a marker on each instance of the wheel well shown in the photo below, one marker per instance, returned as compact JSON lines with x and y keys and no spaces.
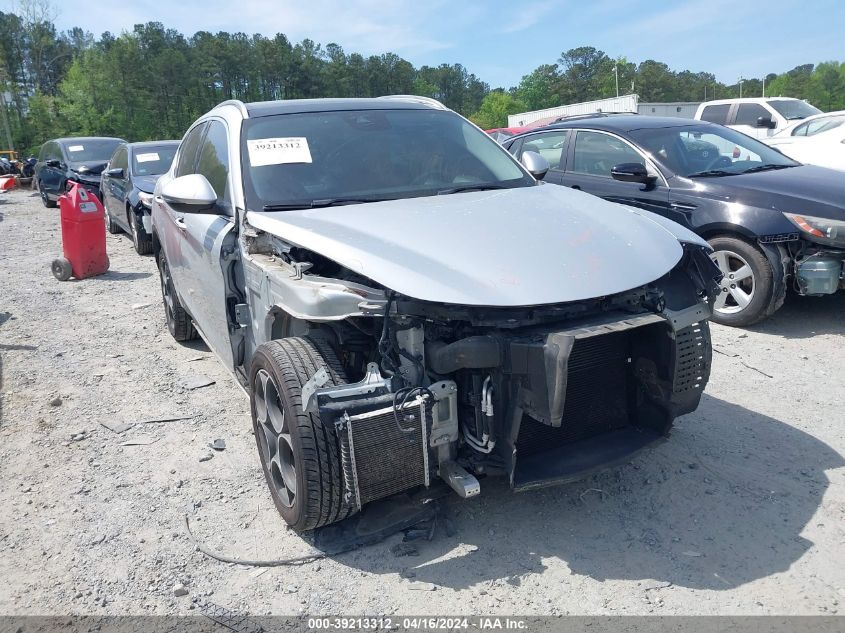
{"x":156,"y":245}
{"x":728,"y":230}
{"x":732,"y":234}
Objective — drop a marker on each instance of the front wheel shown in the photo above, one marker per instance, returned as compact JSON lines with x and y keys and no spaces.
{"x":746,"y":289}
{"x":300,"y":456}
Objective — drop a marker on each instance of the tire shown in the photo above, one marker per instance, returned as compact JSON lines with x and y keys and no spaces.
{"x":309,"y":453}
{"x":50,"y":204}
{"x":141,"y":240}
{"x":178,"y":320}
{"x":62,"y":269}
{"x":747,"y":289}
{"x":111,"y":227}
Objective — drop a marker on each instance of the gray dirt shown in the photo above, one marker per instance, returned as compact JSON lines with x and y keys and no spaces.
{"x":742,"y":511}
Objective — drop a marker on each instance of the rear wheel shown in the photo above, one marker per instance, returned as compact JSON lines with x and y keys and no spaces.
{"x":745,"y":292}
{"x":178,"y":321}
{"x":141,"y":240}
{"x":50,"y":204}
{"x":111,"y":227}
{"x":299,"y":454}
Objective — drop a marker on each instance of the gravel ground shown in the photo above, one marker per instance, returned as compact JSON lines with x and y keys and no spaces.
{"x":742,"y":511}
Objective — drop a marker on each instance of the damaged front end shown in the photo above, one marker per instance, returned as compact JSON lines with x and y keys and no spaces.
{"x":541,"y":395}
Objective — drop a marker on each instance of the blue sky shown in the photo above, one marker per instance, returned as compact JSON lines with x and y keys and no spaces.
{"x":502,"y":41}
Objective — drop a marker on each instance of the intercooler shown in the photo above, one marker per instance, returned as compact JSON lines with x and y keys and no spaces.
{"x":384,"y":452}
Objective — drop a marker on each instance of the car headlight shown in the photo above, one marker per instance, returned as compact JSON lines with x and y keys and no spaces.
{"x":146,"y":199}
{"x":820,"y":230}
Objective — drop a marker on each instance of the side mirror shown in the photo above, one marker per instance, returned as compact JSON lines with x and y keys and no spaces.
{"x":536,"y":165}
{"x":766,"y":121}
{"x":632,"y":172}
{"x":117,"y":172}
{"x":53,"y":162}
{"x":190,"y":194}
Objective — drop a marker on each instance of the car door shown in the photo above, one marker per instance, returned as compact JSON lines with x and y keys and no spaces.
{"x":746,"y":117}
{"x":114,"y":187}
{"x":198,"y":274}
{"x":173,"y":226}
{"x":52,"y":175}
{"x":594,"y":153}
{"x":551,"y":145}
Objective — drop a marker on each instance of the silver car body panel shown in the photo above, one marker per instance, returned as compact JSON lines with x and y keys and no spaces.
{"x":513,"y":247}
{"x":272,"y":282}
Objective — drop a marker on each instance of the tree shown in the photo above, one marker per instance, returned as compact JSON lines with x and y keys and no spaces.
{"x":654,"y":81}
{"x":495,"y":108}
{"x":830,"y":80}
{"x":537,"y":90}
{"x":583,"y":70}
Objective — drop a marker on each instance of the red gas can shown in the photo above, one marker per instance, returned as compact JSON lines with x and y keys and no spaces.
{"x":83,"y":236}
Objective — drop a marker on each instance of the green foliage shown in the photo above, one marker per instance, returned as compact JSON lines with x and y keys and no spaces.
{"x":537,"y":90}
{"x":495,"y":108}
{"x":152,"y":82}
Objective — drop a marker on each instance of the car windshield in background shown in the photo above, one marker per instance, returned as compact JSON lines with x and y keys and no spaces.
{"x":792,"y":110}
{"x":87,"y":150}
{"x":327,"y":158}
{"x":153,"y":160}
{"x":817,"y":126}
{"x":708,"y":151}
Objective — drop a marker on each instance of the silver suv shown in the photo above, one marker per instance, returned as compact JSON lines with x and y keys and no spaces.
{"x":406,"y":303}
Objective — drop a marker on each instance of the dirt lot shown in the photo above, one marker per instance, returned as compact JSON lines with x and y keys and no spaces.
{"x":742,"y":511}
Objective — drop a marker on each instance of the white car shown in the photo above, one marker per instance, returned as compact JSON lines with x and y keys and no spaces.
{"x":757,"y":117}
{"x":817,"y":140}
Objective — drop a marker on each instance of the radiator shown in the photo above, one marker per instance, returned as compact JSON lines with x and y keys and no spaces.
{"x":379,"y":459}
{"x":596,"y":395}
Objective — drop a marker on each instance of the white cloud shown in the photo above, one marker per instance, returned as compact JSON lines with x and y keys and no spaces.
{"x":529,"y":15}
{"x":366,"y":26}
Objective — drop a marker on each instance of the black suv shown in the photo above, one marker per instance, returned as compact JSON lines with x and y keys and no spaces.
{"x":78,"y":159}
{"x":773,"y":222}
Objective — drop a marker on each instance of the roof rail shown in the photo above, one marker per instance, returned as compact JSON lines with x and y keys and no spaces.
{"x":434,"y":103}
{"x":234,"y":102}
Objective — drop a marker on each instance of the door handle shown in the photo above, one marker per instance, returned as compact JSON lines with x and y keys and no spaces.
{"x":680,"y":206}
{"x":578,"y":187}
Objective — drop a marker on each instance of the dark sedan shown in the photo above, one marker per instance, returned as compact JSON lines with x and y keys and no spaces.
{"x":78,"y":159}
{"x":128,"y":183}
{"x":773,"y":223}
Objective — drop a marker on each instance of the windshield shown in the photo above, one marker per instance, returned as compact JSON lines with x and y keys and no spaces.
{"x":153,"y":160}
{"x":817,"y":126}
{"x":708,"y":150}
{"x":320,"y":158}
{"x":87,"y":150}
{"x":794,"y":109}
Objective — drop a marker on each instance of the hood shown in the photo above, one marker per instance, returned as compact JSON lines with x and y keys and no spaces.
{"x":514,"y":247}
{"x":88,"y":169}
{"x":146,"y":184}
{"x":808,"y":189}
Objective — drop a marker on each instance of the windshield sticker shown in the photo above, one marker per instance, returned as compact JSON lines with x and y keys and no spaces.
{"x":76,"y":148}
{"x":278,"y":151}
{"x":146,"y":158}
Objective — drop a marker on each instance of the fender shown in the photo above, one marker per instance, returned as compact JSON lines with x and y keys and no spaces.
{"x":709,"y":216}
